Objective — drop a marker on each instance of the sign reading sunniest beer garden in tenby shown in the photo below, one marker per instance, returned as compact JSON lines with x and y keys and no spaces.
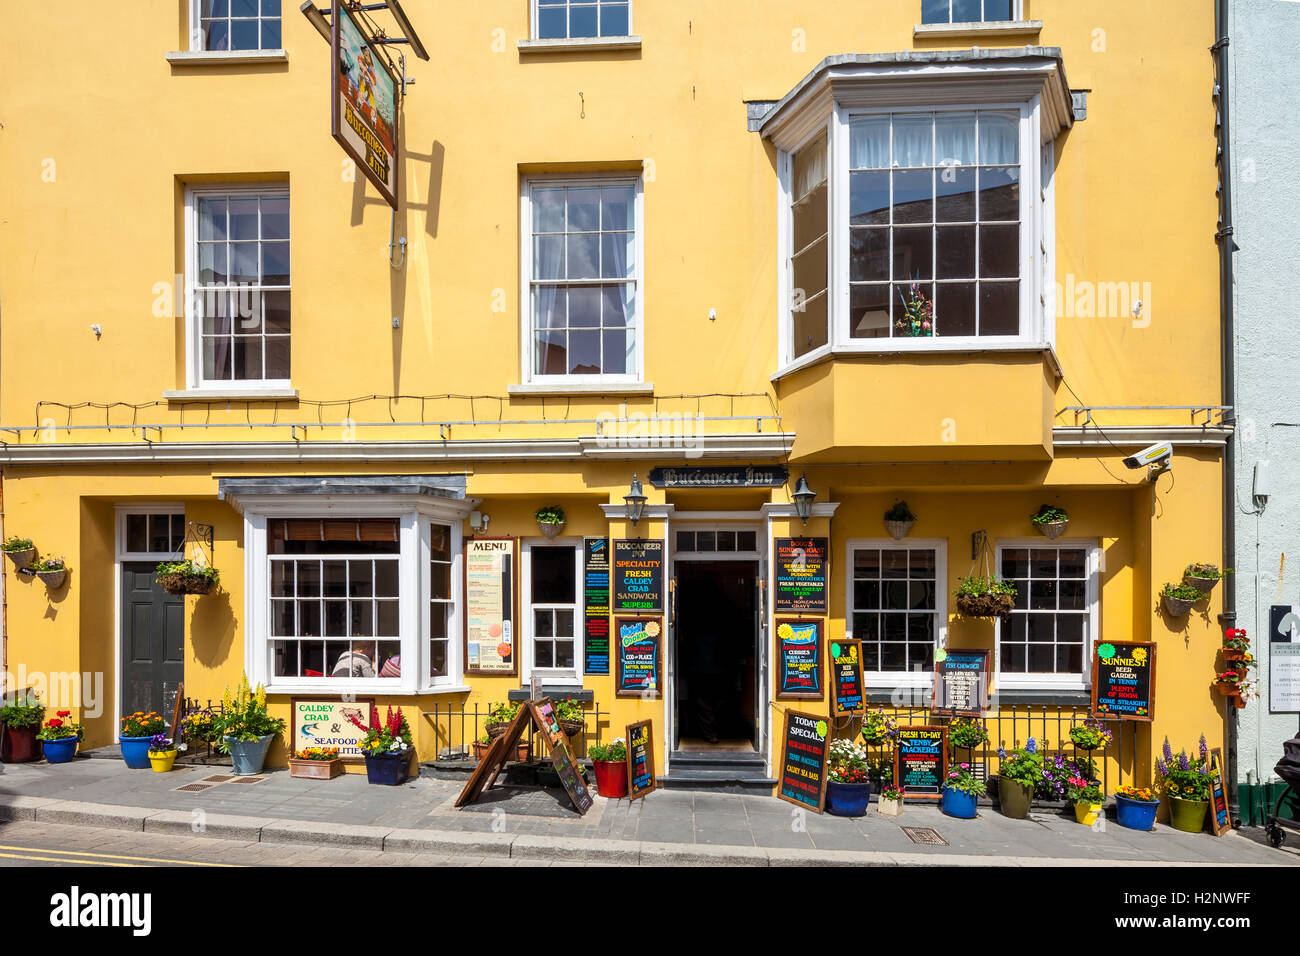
{"x":638,"y":576}
{"x":846,"y":678}
{"x":364,"y":103}
{"x":799,"y":659}
{"x":803,"y":760}
{"x":1124,"y":680}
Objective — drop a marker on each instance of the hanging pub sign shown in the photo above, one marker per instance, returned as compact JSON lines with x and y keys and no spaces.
{"x":799,"y":659}
{"x":640,"y":759}
{"x":638,"y":576}
{"x":846,"y":678}
{"x":489,"y":606}
{"x":803,"y":760}
{"x":772,"y":476}
{"x":364,"y":103}
{"x":324,"y":723}
{"x":1124,"y":680}
{"x":1220,"y":815}
{"x":638,"y":657}
{"x":1283,"y":659}
{"x":801,"y":575}
{"x":921,"y":761}
{"x":595,"y":598}
{"x":961,"y":683}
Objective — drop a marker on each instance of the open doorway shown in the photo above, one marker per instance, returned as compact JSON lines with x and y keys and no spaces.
{"x":716,"y":654}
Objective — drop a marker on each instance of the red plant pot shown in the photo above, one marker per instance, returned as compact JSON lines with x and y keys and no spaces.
{"x":611,"y":778}
{"x":18,"y":744}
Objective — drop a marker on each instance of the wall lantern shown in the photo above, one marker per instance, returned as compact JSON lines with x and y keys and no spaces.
{"x":803,"y":499}
{"x":634,"y":501}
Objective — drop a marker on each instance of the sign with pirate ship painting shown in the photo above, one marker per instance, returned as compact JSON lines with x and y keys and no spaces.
{"x":324,"y":723}
{"x":363,"y":103}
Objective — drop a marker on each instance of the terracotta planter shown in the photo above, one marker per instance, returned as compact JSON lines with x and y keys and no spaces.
{"x":522,"y":751}
{"x":1229,"y":690}
{"x":315,"y":769}
{"x":1204,"y":585}
{"x":1014,"y":798}
{"x":1232,"y":654}
{"x":1053,"y":529}
{"x":890,"y":808}
{"x":898,"y":529}
{"x":1188,"y":815}
{"x":1177,"y":607}
{"x":21,"y":558}
{"x":18,"y":744}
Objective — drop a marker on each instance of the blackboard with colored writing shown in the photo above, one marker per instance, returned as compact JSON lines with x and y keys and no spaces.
{"x":638,"y":576}
{"x":595,"y":634}
{"x":803,"y":760}
{"x":1124,"y":680}
{"x":846,"y":678}
{"x":801,"y":575}
{"x":640,"y":759}
{"x":921,"y":761}
{"x":571,"y":777}
{"x":638,"y":656}
{"x":961,"y":683}
{"x":799,"y":659}
{"x":1220,"y":815}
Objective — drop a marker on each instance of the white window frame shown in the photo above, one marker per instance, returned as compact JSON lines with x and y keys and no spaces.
{"x":526,"y":344}
{"x":196,"y":31}
{"x":1017,"y":12}
{"x":534,"y":26}
{"x":785,"y":237}
{"x":553,"y":674}
{"x":122,"y":511}
{"x":194,"y":379}
{"x":1092,"y":617}
{"x":909,"y":679}
{"x":455,"y":639}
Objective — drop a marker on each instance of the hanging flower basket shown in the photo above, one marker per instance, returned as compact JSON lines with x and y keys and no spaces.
{"x":572,"y":728}
{"x":186,"y":577}
{"x":550,"y":520}
{"x":982,"y":593}
{"x":1050,"y":521}
{"x":53,"y":579}
{"x":898,"y":529}
{"x":1177,"y":606}
{"x":985,"y":605}
{"x":1203,"y":577}
{"x":899,"y":520}
{"x":1053,"y":529}
{"x":550,"y":529}
{"x":21,"y":557}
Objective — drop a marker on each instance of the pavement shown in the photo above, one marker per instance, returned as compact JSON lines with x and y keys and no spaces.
{"x":526,"y":824}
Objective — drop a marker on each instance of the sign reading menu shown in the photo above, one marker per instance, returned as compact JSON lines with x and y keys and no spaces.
{"x":325,"y":724}
{"x":961,"y":683}
{"x":803,"y":760}
{"x":1283,"y":659}
{"x":1123,"y":680}
{"x":640,"y":760}
{"x":638,"y":657}
{"x":921,"y":761}
{"x":489,"y":606}
{"x":846,"y":679}
{"x":799,"y":659}
{"x":801,"y":575}
{"x":595,"y":643}
{"x":1220,"y":815}
{"x":638,"y":575}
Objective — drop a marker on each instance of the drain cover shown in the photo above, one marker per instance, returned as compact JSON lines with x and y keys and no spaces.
{"x":924,"y":835}
{"x":195,"y":787}
{"x":219,"y":778}
{"x":246,"y":779}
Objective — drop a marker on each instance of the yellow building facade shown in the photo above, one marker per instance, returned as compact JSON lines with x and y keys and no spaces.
{"x":966,"y":265}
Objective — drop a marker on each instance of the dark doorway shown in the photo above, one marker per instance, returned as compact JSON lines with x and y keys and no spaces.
{"x":716,"y":654}
{"x":153,"y":642}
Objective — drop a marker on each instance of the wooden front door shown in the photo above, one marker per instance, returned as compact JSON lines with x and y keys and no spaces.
{"x":153,"y":642}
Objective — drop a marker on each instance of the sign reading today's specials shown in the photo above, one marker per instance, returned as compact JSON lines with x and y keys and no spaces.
{"x":638,"y":576}
{"x":1123,"y":680}
{"x":489,"y":606}
{"x":803,"y":760}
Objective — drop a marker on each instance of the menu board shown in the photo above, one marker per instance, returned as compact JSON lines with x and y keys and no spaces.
{"x":801,"y":575}
{"x":570,"y":777}
{"x":324,"y":723}
{"x":638,"y":575}
{"x":1124,"y":680}
{"x":638,"y":657}
{"x":1220,"y":815}
{"x":799,"y":659}
{"x":803,"y":760}
{"x":961,"y":683}
{"x":543,"y":714}
{"x":489,"y":606}
{"x":846,"y":678}
{"x":640,"y":760}
{"x":921,"y":761}
{"x":595,"y":633}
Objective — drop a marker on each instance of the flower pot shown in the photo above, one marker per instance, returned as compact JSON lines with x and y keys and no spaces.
{"x":1135,"y":814}
{"x":52,"y":579}
{"x":61,"y":750}
{"x":898,"y":529}
{"x":1087,"y":813}
{"x":248,"y":756}
{"x":497,"y":729}
{"x":1053,"y":529}
{"x":1177,"y":607}
{"x":1188,"y":815}
{"x":957,"y":803}
{"x":985,"y":605}
{"x":162,"y":760}
{"x":611,"y":778}
{"x":522,"y":751}
{"x":1232,"y":654}
{"x":1014,"y":798}
{"x":572,"y":728}
{"x":21,"y":558}
{"x":1229,"y":689}
{"x":390,"y":770}
{"x":18,"y":744}
{"x":847,"y":799}
{"x":135,"y":752}
{"x":1204,"y":585}
{"x":550,"y":529}
{"x":186,"y":584}
{"x":315,"y":769}
{"x":890,"y":808}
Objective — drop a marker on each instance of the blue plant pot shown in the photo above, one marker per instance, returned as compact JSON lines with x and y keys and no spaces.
{"x":847,"y":799}
{"x":63,"y":750}
{"x":248,"y":756}
{"x":135,"y":752}
{"x":388,"y":769}
{"x":1135,"y":814}
{"x":956,"y":803}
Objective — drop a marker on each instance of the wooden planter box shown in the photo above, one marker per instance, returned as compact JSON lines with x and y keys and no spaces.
{"x":315,"y":769}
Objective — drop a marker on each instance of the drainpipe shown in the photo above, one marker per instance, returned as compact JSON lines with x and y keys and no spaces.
{"x":1227,"y":346}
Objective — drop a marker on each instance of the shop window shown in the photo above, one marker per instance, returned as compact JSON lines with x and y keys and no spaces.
{"x":581,"y":19}
{"x":153,"y":533}
{"x":582,"y":263}
{"x":224,"y":25}
{"x":969,"y":11}
{"x":721,"y":540}
{"x":897,"y":607}
{"x":239,"y":288}
{"x":1049,"y":635}
{"x":553,"y":615}
{"x":441,"y":602}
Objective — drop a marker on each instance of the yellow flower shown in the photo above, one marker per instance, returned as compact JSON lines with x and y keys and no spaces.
{"x":261,"y":697}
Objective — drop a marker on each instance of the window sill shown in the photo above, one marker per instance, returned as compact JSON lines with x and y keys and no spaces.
{"x":360,"y":688}
{"x":559,"y":690}
{"x":993,"y":28}
{"x":229,"y":394}
{"x":225,"y":57}
{"x":581,"y":388}
{"x":444,"y":689}
{"x":580,"y":45}
{"x":933,"y":347}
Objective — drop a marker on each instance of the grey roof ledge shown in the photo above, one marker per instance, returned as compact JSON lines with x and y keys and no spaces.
{"x":426,"y":486}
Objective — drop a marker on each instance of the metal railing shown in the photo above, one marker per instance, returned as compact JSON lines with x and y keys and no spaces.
{"x":458,"y":727}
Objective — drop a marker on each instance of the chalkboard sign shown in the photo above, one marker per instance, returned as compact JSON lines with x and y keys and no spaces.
{"x":489,"y":606}
{"x":543,"y":713}
{"x":801,"y":575}
{"x":846,"y":678}
{"x":640,"y":759}
{"x":595,"y":633}
{"x":638,"y":656}
{"x":961,"y":683}
{"x":570,"y":777}
{"x":799,"y":659}
{"x":921,"y":761}
{"x":1220,"y":815}
{"x":803,"y":760}
{"x":638,"y":576}
{"x":1124,"y":680}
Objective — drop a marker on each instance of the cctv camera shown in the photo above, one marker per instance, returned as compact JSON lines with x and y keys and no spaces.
{"x":1156,"y":456}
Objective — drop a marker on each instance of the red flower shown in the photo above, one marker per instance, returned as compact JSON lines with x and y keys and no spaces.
{"x":65,"y":713}
{"x":54,"y":722}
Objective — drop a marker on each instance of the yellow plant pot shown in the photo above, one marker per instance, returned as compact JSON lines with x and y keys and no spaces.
{"x":1087,"y":813}
{"x":162,"y":762}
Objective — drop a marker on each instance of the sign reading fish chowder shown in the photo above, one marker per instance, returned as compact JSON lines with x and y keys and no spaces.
{"x":363,"y":103}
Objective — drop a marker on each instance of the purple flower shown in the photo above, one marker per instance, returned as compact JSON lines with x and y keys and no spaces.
{"x":1162,"y":767}
{"x":1205,"y":749}
{"x":1002,"y":753}
{"x":1168,"y":752}
{"x":1031,"y":746}
{"x":1183,"y":762}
